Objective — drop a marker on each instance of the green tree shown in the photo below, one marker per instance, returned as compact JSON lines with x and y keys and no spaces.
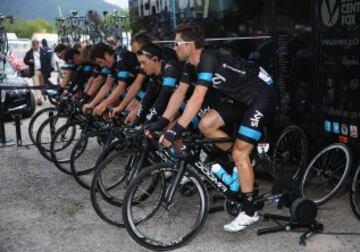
{"x":25,"y":29}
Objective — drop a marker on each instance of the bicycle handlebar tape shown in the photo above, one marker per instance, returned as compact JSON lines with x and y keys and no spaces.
{"x":175,"y":133}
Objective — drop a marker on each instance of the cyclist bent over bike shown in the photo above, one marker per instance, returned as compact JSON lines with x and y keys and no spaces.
{"x":244,"y":95}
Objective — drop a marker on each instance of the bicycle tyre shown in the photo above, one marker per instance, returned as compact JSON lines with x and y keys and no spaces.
{"x":355,"y":193}
{"x":322,"y":164}
{"x":132,"y":226}
{"x":290,"y":155}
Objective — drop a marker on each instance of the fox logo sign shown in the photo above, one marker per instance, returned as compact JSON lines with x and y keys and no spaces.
{"x":256,"y":119}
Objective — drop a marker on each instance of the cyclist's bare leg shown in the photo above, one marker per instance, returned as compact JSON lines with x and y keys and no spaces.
{"x":210,"y":125}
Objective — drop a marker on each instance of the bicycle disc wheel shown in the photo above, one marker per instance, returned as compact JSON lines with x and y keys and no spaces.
{"x":326,"y":173}
{"x":355,"y":193}
{"x":290,"y":153}
{"x":156,"y":225}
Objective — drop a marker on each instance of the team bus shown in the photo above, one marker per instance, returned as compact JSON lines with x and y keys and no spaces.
{"x":311,"y":48}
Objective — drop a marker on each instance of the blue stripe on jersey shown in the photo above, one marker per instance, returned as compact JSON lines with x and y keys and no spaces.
{"x":141,"y":94}
{"x":87,"y":68}
{"x":205,"y":76}
{"x":123,"y":74}
{"x":169,"y":82}
{"x":249,"y":132}
{"x":105,"y":71}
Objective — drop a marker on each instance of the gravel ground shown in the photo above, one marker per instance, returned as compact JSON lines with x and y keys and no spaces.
{"x":43,"y":209}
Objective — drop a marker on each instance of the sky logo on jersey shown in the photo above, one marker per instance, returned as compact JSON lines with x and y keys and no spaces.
{"x":327,"y":126}
{"x":256,"y":119}
{"x":336,"y":128}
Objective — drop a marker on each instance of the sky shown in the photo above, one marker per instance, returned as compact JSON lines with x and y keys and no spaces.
{"x":121,"y":3}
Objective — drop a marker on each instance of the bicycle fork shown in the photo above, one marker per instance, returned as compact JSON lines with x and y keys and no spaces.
{"x":173,"y":185}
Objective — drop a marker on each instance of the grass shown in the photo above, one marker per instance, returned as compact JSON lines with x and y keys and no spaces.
{"x":71,"y":209}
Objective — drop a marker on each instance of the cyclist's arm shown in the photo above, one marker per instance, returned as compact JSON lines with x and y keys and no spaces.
{"x":132,"y":91}
{"x":115,"y":94}
{"x":95,"y":86}
{"x":105,"y":89}
{"x":176,"y":100}
{"x":146,"y":103}
{"x":66,"y":78}
{"x":89,"y":83}
{"x":193,"y":106}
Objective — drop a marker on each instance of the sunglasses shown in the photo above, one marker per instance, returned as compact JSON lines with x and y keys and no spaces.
{"x":179,"y":43}
{"x":142,"y":52}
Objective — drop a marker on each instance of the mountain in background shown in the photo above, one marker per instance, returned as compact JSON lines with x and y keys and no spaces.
{"x":48,"y":9}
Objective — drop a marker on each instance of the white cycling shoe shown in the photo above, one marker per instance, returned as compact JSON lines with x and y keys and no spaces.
{"x":241,"y":222}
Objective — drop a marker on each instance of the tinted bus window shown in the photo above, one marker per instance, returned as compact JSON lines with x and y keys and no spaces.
{"x":294,"y":63}
{"x":241,"y":26}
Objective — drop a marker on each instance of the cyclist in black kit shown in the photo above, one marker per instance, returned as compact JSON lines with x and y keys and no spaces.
{"x":124,"y":70}
{"x":137,"y":88}
{"x":243,"y":94}
{"x":164,"y":77}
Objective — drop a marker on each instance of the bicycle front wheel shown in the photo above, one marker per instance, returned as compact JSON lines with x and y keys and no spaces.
{"x":157,"y":225}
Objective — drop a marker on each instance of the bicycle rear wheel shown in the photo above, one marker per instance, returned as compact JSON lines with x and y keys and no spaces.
{"x":110,"y":182}
{"x":355,"y":193}
{"x":86,"y":155}
{"x":156,"y":226}
{"x":326,"y":173}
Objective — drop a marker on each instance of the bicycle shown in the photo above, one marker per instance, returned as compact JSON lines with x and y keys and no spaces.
{"x":162,"y":201}
{"x":113,"y":174}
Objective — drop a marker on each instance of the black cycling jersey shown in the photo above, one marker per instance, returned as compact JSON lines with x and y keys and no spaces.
{"x":126,"y":68}
{"x":159,"y":91}
{"x":189,"y":77}
{"x":96,"y":71}
{"x":81,"y":76}
{"x":232,"y":76}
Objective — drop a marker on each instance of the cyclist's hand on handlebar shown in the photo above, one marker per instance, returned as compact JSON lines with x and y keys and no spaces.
{"x":158,"y":125}
{"x":114,"y":113}
{"x":87,"y":108}
{"x":99,"y":110}
{"x":174,"y":133}
{"x":166,"y":143}
{"x":131,"y":117}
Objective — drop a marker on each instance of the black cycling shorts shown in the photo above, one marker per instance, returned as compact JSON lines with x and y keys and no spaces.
{"x":252,"y":119}
{"x":256,"y":116}
{"x":230,"y":110}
